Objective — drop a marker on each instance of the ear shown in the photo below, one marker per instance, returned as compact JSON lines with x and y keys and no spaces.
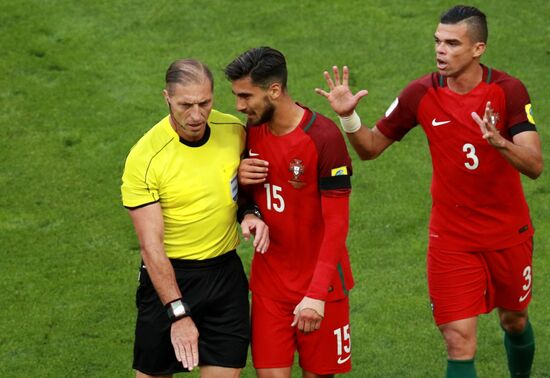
{"x":166,"y":96}
{"x":479,"y":49}
{"x":274,"y":91}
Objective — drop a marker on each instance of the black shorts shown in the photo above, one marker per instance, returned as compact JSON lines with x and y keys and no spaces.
{"x":217,"y":293}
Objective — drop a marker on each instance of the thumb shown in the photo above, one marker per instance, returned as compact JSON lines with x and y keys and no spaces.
{"x":295,"y":321}
{"x":362,"y":93}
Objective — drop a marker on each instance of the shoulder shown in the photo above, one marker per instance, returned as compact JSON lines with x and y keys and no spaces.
{"x":420,"y":86}
{"x":152,"y":142}
{"x":218,"y":118}
{"x":508,"y":83}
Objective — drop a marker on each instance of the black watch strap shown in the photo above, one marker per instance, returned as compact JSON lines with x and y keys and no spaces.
{"x":177,"y":309}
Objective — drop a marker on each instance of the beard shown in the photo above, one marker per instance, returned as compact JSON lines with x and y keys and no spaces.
{"x":265,"y":116}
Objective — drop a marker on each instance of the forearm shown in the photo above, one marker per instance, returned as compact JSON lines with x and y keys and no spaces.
{"x":363,"y":143}
{"x":162,"y":274}
{"x":526,"y":159}
{"x":368,"y":143}
{"x":333,"y":246}
{"x":149,"y":225}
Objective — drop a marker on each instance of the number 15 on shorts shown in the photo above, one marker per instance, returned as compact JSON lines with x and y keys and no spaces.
{"x":343,"y":344}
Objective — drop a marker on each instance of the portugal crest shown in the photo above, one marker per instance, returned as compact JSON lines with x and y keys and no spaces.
{"x":296,"y":168}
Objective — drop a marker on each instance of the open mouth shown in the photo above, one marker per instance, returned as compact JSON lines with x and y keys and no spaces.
{"x":441,"y":65}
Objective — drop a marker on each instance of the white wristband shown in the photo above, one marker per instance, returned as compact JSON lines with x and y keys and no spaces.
{"x":351,"y":123}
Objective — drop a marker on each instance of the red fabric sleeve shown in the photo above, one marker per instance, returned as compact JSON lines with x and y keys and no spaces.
{"x":335,"y":212}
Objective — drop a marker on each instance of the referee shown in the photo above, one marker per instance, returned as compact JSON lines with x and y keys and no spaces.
{"x":180,"y":187}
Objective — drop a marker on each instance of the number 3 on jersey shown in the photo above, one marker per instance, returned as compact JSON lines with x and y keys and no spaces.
{"x":470,"y":151}
{"x":274,"y":197}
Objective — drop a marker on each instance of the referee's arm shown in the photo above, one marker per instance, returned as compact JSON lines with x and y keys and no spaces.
{"x":149,"y":226}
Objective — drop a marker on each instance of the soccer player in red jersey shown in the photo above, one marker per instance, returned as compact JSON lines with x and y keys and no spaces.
{"x":300,"y":284}
{"x":482,"y":135}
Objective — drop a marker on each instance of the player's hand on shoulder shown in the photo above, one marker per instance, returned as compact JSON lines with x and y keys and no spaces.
{"x":253,"y":225}
{"x":185,"y":339}
{"x":340,"y":97}
{"x":308,"y":314}
{"x":252,"y":171}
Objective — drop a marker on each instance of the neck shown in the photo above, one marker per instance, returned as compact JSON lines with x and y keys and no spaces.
{"x":286,"y":118}
{"x":467,"y":80}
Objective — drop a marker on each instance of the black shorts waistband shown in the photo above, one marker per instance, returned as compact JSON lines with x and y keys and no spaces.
{"x":207,"y":263}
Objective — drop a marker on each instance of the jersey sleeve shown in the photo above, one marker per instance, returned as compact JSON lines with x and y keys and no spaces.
{"x":335,"y":212}
{"x":334,"y":165}
{"x":139,"y":184}
{"x":519,"y":112}
{"x":400,"y":117}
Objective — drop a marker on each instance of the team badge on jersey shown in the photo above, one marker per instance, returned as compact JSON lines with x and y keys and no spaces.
{"x":529,"y":113}
{"x":296,"y":167}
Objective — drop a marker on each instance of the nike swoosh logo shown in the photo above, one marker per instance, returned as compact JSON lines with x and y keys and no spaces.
{"x":521,"y":299}
{"x":252,"y":154}
{"x":435,"y":123}
{"x":343,"y":360}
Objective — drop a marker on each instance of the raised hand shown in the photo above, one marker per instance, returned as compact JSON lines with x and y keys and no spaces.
{"x":340,"y":97}
{"x":488,"y":126}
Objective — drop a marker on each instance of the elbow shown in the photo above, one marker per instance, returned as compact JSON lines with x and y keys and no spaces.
{"x":368,"y":155}
{"x":536,"y":171}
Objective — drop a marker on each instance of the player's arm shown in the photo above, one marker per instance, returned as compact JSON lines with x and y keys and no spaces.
{"x":149,"y":226}
{"x":252,"y":171}
{"x":250,"y":218}
{"x":368,"y":143}
{"x":523,"y":152}
{"x":335,"y":212}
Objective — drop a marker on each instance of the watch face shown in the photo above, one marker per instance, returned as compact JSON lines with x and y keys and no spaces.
{"x":178,"y":309}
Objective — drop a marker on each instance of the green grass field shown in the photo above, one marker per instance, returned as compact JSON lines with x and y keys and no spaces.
{"x":81,"y":82}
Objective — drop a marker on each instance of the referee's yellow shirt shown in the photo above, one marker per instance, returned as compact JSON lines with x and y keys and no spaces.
{"x":196,"y":186}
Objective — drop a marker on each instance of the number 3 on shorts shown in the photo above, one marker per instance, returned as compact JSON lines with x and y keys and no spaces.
{"x":527,"y":286}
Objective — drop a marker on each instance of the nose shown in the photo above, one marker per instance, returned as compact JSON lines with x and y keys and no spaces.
{"x":241,"y":105}
{"x":195,"y":113}
{"x":440,"y":48}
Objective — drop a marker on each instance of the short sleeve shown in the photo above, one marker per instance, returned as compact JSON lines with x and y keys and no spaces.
{"x":139,"y":184}
{"x":400,"y":117}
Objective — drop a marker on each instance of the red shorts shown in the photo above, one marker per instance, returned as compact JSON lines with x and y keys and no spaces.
{"x":465,"y":284}
{"x":274,"y":341}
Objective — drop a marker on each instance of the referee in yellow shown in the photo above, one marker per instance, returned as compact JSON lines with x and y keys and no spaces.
{"x":180,"y":186}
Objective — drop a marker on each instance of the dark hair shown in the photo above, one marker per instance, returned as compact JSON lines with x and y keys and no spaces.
{"x":264,"y":65}
{"x":188,"y":71}
{"x":473,"y":17}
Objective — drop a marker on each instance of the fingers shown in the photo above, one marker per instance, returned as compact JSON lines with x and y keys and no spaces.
{"x":295,"y":321}
{"x":321,"y":92}
{"x":195,"y":354}
{"x":184,"y":336}
{"x":336,"y":74}
{"x":480,"y":123}
{"x":245,"y":229}
{"x":329,"y":81}
{"x":251,"y":224}
{"x":261,"y":239}
{"x":345,"y":76}
{"x":252,"y":171}
{"x":362,"y":93}
{"x":307,"y":320}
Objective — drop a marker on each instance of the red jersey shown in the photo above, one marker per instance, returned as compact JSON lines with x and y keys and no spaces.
{"x":307,"y":167}
{"x":477,"y":197}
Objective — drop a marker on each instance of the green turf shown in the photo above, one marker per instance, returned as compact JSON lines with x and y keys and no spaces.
{"x":81,"y":82}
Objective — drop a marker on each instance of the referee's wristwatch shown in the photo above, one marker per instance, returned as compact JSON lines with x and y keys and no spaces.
{"x":177,"y":310}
